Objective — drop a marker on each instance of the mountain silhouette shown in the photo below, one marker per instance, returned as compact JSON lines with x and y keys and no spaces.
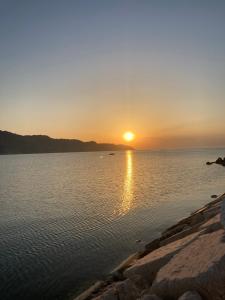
{"x":11,"y":143}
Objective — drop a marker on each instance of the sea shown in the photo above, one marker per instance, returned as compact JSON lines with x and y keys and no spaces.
{"x":68,"y":219}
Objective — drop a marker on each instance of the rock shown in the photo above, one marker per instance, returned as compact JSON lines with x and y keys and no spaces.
{"x":190,"y":295}
{"x":199,"y":266}
{"x":189,"y":230}
{"x":193,"y":219}
{"x":214,"y":205}
{"x":109,"y":294}
{"x":126,"y":290}
{"x":87,"y":294}
{"x":214,"y":196}
{"x":217,"y":200}
{"x":143,"y":272}
{"x":188,"y":256}
{"x":196,"y":219}
{"x":211,"y":212}
{"x":117,"y":273}
{"x":150,"y":297}
{"x":201,"y":210}
{"x":123,"y":290}
{"x":173,"y":231}
{"x":219,"y":160}
{"x":211,"y":222}
{"x":153,"y":245}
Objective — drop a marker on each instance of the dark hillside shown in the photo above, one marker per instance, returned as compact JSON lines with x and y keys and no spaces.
{"x":11,"y":143}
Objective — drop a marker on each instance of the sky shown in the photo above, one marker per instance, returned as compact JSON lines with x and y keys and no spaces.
{"x":92,"y":69}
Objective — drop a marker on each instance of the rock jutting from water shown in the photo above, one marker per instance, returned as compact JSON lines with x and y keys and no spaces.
{"x":219,"y":161}
{"x":186,"y":263}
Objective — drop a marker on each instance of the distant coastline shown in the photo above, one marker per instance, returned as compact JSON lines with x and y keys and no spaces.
{"x":12,"y":143}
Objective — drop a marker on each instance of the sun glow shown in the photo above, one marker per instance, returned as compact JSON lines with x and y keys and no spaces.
{"x":128,"y":136}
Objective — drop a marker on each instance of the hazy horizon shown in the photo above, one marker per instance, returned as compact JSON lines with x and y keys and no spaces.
{"x":95,"y":69}
{"x":157,"y":144}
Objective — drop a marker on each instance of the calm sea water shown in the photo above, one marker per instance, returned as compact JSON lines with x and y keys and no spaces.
{"x":68,"y":219}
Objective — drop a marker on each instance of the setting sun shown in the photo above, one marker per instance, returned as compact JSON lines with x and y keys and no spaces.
{"x":128,"y":136}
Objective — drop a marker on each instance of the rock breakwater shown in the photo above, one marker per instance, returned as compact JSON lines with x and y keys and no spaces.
{"x":186,"y":263}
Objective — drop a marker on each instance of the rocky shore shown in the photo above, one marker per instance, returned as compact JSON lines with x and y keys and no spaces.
{"x":186,"y":263}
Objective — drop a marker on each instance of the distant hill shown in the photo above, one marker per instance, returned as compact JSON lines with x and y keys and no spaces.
{"x":11,"y":143}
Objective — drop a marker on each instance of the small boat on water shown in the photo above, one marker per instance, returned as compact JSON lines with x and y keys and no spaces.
{"x":112,"y":153}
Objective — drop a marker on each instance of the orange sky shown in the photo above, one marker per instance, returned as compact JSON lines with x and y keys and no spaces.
{"x":93,"y":71}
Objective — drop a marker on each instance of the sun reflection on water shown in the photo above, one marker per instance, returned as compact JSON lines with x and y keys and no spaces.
{"x":128,"y":185}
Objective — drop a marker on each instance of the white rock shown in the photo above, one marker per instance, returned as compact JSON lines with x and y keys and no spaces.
{"x":144,"y":270}
{"x":199,"y":266}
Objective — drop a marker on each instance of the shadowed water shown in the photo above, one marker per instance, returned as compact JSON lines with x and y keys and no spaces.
{"x":68,"y":219}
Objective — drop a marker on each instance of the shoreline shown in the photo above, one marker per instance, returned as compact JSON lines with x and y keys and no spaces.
{"x":136,"y":277}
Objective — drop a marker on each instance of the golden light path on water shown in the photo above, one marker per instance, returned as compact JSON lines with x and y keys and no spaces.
{"x":128,"y":185}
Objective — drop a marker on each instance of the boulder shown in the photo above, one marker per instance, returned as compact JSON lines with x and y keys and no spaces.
{"x":211,"y":212}
{"x":126,"y":290}
{"x":123,"y":290}
{"x":199,"y":266}
{"x":168,"y":233}
{"x":215,"y":221}
{"x":109,"y":294}
{"x":143,"y":272}
{"x":196,"y":219}
{"x":190,"y":295}
{"x":153,"y":245}
{"x":189,"y":230}
{"x":117,"y":273}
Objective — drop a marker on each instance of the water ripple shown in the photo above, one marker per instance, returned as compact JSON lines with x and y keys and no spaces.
{"x":68,"y":219}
